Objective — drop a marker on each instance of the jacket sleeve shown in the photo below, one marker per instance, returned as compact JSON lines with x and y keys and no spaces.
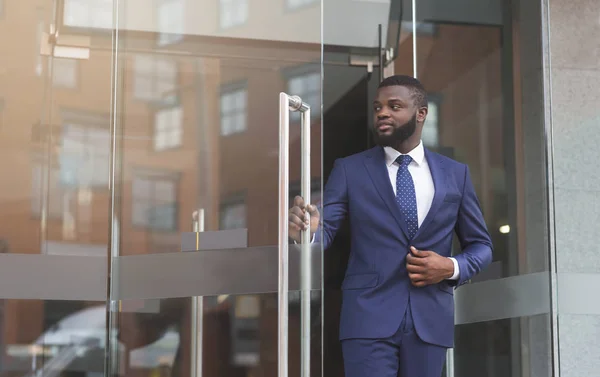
{"x":335,"y":204}
{"x":475,"y":241}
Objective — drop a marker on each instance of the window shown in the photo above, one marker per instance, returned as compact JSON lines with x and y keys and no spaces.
{"x":423,"y":28}
{"x":308,"y":87}
{"x":168,"y":128}
{"x":40,"y":28}
{"x":95,"y":14}
{"x":85,"y":156}
{"x":64,"y":72}
{"x":1,"y":8}
{"x":233,"y":215}
{"x":234,"y":104}
{"x":430,"y":134}
{"x":155,"y":201}
{"x":56,"y":193}
{"x":233,"y":13}
{"x":295,"y":4}
{"x":171,"y":21}
{"x":154,"y":77}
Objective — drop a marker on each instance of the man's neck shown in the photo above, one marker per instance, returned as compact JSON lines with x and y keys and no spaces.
{"x":407,"y":145}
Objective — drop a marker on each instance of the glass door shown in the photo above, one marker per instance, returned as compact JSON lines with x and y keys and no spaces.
{"x":216,"y":127}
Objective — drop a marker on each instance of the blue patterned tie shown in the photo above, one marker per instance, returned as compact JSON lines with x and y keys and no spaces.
{"x":405,"y":195}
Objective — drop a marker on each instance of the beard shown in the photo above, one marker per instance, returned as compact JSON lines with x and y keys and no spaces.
{"x":398,"y":135}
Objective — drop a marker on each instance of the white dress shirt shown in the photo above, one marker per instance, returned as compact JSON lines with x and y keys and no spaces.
{"x":424,"y":188}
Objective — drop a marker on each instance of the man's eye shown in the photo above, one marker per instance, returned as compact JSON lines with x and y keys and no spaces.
{"x":395,"y":107}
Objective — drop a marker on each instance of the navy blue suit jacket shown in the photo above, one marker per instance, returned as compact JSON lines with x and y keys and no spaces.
{"x":376,"y":287}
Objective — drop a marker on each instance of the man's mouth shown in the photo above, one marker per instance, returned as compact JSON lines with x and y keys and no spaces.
{"x":384,"y":126}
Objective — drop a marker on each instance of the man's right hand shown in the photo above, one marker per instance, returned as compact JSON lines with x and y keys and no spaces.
{"x":298,"y":221}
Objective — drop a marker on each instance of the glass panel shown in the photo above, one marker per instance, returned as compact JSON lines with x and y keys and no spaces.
{"x":55,"y":136}
{"x":67,"y":337}
{"x":54,"y":160}
{"x":486,"y":110}
{"x":198,"y":129}
{"x":238,"y":333}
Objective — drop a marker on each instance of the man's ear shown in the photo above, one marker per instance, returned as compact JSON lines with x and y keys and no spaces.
{"x":421,"y":114}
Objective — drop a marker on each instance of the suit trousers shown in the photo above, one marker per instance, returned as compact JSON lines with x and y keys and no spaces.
{"x":403,"y":354}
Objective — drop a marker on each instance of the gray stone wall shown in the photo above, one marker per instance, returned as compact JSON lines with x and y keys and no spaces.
{"x":574,"y":56}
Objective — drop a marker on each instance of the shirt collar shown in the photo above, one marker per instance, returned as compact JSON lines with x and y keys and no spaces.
{"x":417,"y":154}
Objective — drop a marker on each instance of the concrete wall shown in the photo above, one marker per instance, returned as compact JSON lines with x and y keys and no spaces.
{"x":574,"y":71}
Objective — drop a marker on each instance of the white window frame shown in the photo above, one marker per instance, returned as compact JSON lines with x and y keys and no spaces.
{"x":155,"y":78}
{"x":89,"y":162}
{"x":233,"y":13}
{"x":234,"y":119}
{"x":154,"y":200}
{"x":88,"y":14}
{"x":168,"y":135}
{"x":170,"y":20}
{"x":65,"y":72}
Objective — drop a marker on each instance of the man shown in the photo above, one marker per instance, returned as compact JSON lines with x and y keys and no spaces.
{"x":404,"y":204}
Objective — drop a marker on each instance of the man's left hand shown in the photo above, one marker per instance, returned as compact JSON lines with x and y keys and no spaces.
{"x":427,"y":267}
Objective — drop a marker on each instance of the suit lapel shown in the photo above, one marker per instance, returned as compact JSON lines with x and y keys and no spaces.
{"x":377,"y":169}
{"x":438,"y":173}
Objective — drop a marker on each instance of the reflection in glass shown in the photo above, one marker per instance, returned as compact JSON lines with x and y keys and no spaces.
{"x":96,"y":14}
{"x":233,"y":13}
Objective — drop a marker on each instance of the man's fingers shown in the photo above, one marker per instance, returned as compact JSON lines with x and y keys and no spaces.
{"x":419,"y":253}
{"x":412,"y":268}
{"x":299,"y":201}
{"x":297,"y":211}
{"x":416,"y":261}
{"x":417,"y":279}
{"x":312,"y":210}
{"x":295,"y":227}
{"x":295,"y":220}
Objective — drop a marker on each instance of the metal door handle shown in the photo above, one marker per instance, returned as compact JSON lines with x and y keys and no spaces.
{"x":286,"y":104}
{"x":197,"y":310}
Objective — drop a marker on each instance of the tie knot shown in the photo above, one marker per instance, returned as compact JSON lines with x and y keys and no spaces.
{"x":404,"y":160}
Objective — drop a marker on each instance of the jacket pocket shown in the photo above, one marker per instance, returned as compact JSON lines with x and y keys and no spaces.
{"x":360,"y":281}
{"x":445,"y":287}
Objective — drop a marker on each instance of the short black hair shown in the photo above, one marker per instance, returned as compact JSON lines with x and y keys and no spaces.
{"x":418,"y":92}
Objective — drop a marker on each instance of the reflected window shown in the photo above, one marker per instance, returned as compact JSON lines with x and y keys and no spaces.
{"x":233,"y":13}
{"x":293,"y":4}
{"x":155,"y":201}
{"x":171,"y":21}
{"x":168,"y":128}
{"x":234,"y":103}
{"x":54,"y":190}
{"x":430,"y":134}
{"x":308,"y":87}
{"x":155,"y":78}
{"x":94,"y":14}
{"x":423,"y":28}
{"x":85,"y":156}
{"x":40,"y":28}
{"x":1,"y":113}
{"x":1,"y":8}
{"x":64,"y":72}
{"x":233,"y":214}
